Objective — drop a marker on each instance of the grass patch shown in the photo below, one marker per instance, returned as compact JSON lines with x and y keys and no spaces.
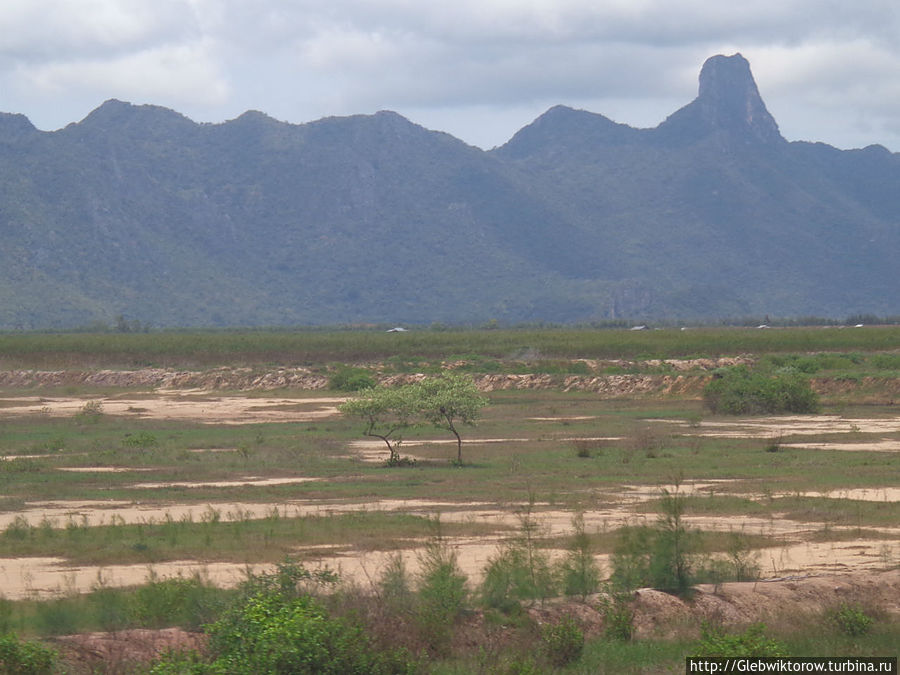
{"x":214,"y":535}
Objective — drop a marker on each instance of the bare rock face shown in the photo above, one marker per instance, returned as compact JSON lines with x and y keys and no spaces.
{"x":729,"y":102}
{"x":729,"y":98}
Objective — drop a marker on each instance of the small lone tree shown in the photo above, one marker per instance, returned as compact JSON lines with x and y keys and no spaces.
{"x":448,"y":401}
{"x":385,"y":411}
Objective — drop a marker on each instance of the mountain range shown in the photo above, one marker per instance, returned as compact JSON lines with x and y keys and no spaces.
{"x":139,"y":212}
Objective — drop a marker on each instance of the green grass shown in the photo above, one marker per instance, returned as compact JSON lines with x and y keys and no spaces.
{"x":217,"y":534}
{"x":834,"y":511}
{"x":646,"y":453}
{"x":86,"y":350}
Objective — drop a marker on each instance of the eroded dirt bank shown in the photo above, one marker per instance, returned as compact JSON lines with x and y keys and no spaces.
{"x":685,"y":377}
{"x":781,"y":604}
{"x":240,"y":379}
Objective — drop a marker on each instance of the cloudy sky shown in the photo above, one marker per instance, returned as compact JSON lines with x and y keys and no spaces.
{"x":829,"y":70}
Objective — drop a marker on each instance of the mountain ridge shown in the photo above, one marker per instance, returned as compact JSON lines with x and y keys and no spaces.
{"x":141,"y":212}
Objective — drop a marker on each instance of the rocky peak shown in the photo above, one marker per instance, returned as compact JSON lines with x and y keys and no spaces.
{"x":728,"y":101}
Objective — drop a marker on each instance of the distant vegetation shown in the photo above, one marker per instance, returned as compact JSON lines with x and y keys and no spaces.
{"x":402,"y":350}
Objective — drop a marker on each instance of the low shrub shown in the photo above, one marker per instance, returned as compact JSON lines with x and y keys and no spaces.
{"x":850,"y":620}
{"x":19,"y":657}
{"x":753,"y":642}
{"x":350,"y":378}
{"x":271,"y":633}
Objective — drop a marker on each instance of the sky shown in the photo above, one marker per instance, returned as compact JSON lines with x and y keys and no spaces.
{"x":828,"y":70}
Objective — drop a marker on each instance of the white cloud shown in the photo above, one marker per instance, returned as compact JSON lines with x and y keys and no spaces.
{"x":828,"y":67}
{"x":183,"y":73}
{"x":37,"y":30}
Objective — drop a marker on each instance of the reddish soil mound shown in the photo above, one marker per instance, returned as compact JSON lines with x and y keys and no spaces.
{"x":120,"y":651}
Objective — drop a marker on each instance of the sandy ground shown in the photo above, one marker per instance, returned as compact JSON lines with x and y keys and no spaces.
{"x":43,"y":576}
{"x":793,"y":425}
{"x":47,"y":576}
{"x":196,"y":406}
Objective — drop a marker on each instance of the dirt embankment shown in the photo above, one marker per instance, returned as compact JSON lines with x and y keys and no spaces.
{"x":783,"y":605}
{"x":687,"y":377}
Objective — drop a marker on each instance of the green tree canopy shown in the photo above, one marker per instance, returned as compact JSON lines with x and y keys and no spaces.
{"x":386,"y":411}
{"x":448,"y":401}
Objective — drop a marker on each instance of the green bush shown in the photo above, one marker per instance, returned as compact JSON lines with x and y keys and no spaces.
{"x":19,"y":657}
{"x":740,"y":391}
{"x":850,"y":620}
{"x":752,"y":642}
{"x":349,"y":378}
{"x":269,"y":633}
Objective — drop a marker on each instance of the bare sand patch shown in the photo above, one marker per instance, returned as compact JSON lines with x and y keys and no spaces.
{"x":885,"y":445}
{"x":881,"y":494}
{"x":23,"y":578}
{"x":100,"y":512}
{"x":103,"y":469}
{"x":213,"y":450}
{"x":10,"y":458}
{"x":570,"y":418}
{"x":790,"y":425}
{"x":47,"y":576}
{"x":829,"y":556}
{"x":250,"y":481}
{"x":365,"y":568}
{"x":198,"y":406}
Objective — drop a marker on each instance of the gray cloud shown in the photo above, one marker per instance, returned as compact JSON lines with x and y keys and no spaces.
{"x":479,"y":69}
